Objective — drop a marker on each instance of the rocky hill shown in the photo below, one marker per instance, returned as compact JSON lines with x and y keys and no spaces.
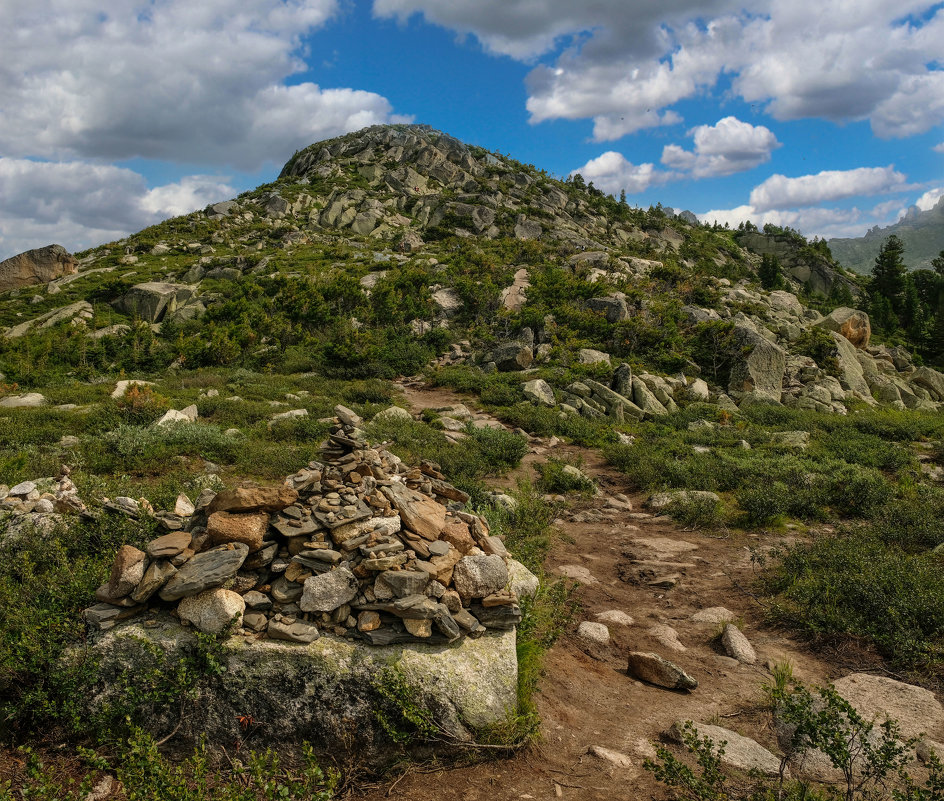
{"x":381,"y":250}
{"x":467,"y":379}
{"x":921,"y":231}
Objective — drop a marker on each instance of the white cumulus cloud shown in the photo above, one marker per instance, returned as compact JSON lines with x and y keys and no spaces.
{"x":624,"y":63}
{"x":938,"y":148}
{"x":177,"y":80}
{"x":930,"y":198}
{"x":726,"y":147}
{"x":612,"y":172}
{"x":781,"y":192}
{"x":77,"y":204}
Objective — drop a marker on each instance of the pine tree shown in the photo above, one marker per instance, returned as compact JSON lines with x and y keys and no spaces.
{"x":889,"y":273}
{"x":938,"y":264}
{"x":882,"y":314}
{"x":622,"y":199}
{"x":769,"y":272}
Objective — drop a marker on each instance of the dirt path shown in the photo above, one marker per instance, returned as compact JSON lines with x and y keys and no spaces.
{"x":659,"y":575}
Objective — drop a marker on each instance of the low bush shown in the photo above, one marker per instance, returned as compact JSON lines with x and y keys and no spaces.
{"x":853,"y":584}
{"x":147,"y":775}
{"x":556,"y":478}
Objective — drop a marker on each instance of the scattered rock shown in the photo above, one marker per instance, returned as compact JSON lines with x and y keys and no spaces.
{"x":714,"y":614}
{"x":917,"y":710}
{"x":596,"y":633}
{"x":737,"y":646}
{"x":652,"y":668}
{"x":667,"y":637}
{"x":615,"y":616}
{"x":739,"y":752}
{"x":608,"y":755}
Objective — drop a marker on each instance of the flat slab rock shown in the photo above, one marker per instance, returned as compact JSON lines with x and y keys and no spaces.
{"x":326,"y":691}
{"x":740,"y":752}
{"x":917,"y":710}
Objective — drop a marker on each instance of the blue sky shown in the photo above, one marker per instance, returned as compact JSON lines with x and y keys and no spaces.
{"x":825,"y":115}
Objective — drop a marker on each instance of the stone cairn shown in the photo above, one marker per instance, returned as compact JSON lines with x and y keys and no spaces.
{"x":359,"y":545}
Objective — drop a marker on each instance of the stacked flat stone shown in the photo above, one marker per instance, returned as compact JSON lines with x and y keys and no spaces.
{"x":359,"y":545}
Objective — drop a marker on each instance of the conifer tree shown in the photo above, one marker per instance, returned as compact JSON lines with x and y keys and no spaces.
{"x":889,"y":273}
{"x":769,"y":272}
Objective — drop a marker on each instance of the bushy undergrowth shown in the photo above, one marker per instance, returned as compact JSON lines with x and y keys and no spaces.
{"x":557,"y":478}
{"x":527,"y":534}
{"x":484,"y":452}
{"x":871,"y":757}
{"x":854,"y":583}
{"x":147,"y":775}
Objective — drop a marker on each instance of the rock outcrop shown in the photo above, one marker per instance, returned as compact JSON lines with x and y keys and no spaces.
{"x":39,"y":266}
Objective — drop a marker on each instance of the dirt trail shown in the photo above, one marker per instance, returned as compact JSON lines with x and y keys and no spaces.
{"x":586,"y":698}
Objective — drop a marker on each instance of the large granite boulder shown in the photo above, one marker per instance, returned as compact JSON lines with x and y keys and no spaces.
{"x":331,"y":692}
{"x":851,"y":323}
{"x":758,"y":366}
{"x":152,"y":300}
{"x":39,"y":266}
{"x":851,"y":374}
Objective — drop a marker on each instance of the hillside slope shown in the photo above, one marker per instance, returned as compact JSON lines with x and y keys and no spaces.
{"x":381,"y":250}
{"x":921,"y":231}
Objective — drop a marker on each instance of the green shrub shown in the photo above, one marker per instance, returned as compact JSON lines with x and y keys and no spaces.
{"x":858,"y":491}
{"x":697,"y":512}
{"x":854,"y":584}
{"x":818,"y":344}
{"x":766,"y":503}
{"x":557,"y":478}
{"x":146,"y":775}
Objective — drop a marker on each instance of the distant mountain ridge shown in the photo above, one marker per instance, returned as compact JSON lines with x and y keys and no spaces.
{"x":921,"y":231}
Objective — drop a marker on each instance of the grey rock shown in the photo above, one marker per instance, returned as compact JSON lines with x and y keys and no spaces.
{"x":478,"y":576}
{"x":539,"y":391}
{"x":328,"y":591}
{"x":291,"y":629}
{"x":39,"y":266}
{"x":104,"y":616}
{"x":153,"y":299}
{"x":205,"y":570}
{"x":158,"y":573}
{"x":284,"y":591}
{"x":595,"y":633}
{"x":512,"y":356}
{"x":255,"y":621}
{"x":850,"y":323}
{"x":26,"y":401}
{"x":614,"y":308}
{"x":212,"y":611}
{"x":652,"y":668}
{"x":622,"y":383}
{"x":737,"y":646}
{"x":323,"y":690}
{"x":739,"y":752}
{"x":257,"y":601}
{"x":591,"y":356}
{"x":758,"y":366}
{"x":22,"y":489}
{"x":405,"y":582}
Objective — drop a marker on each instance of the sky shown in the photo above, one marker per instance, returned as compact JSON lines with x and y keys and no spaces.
{"x":823,"y":115}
